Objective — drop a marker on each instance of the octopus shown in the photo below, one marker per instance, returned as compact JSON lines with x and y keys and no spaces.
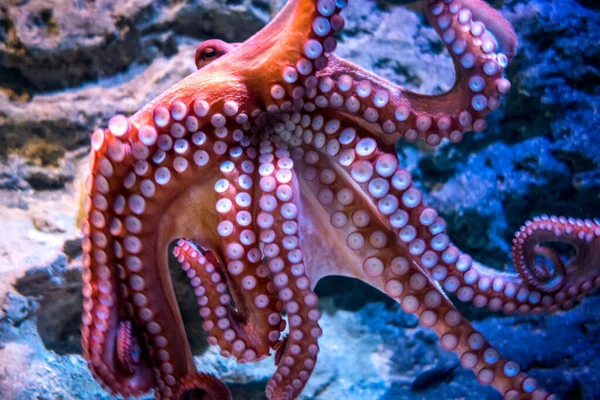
{"x":273,"y":166}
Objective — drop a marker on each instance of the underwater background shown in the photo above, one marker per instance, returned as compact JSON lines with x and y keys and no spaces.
{"x":67,"y":66}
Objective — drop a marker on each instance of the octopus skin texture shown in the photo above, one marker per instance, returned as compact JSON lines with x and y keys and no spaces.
{"x":273,"y":166}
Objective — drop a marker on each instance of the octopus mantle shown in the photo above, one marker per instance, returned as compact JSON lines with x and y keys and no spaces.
{"x":274,"y":166}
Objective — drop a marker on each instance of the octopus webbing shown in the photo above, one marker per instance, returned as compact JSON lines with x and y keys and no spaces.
{"x":273,"y":166}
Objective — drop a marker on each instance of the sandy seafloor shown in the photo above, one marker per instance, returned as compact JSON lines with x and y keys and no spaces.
{"x":67,"y":66}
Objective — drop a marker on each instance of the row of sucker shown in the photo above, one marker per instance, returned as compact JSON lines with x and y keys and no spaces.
{"x":238,"y":229}
{"x":278,"y":223}
{"x":342,"y":86}
{"x":288,"y":92}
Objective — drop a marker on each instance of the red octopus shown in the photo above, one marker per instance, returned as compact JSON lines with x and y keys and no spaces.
{"x":274,"y":166}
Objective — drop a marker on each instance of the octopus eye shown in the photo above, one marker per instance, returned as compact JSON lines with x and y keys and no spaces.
{"x":208,"y":53}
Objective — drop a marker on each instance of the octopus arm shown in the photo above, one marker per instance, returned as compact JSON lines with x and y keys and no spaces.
{"x":136,"y":175}
{"x":237,"y":333}
{"x":547,"y":280}
{"x":399,"y":113}
{"x":108,"y":332}
{"x":362,"y":217}
{"x":568,"y":278}
{"x":279,"y":220}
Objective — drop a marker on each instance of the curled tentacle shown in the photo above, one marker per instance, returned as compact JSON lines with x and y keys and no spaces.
{"x":552,"y":273}
{"x":549,"y":285}
{"x":545,"y":281}
{"x":200,"y":386}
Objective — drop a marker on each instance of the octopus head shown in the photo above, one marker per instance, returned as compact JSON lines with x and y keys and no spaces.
{"x":210,"y":50}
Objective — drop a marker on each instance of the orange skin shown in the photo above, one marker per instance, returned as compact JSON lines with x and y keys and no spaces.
{"x":273,"y":166}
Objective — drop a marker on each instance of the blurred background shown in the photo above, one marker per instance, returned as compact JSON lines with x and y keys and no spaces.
{"x":67,"y":66}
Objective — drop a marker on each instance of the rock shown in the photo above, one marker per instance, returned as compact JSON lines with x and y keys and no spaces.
{"x":44,"y":223}
{"x":412,"y":56}
{"x":11,"y":175}
{"x":49,"y":45}
{"x":16,"y":309}
{"x":56,"y":290}
{"x":72,"y":248}
{"x":19,"y":173}
{"x":433,"y":376}
{"x":52,"y":45}
{"x":126,"y":45}
{"x":67,"y":118}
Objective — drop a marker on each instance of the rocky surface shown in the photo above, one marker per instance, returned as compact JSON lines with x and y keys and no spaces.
{"x":52,"y":45}
{"x":67,"y":66}
{"x":377,"y":352}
